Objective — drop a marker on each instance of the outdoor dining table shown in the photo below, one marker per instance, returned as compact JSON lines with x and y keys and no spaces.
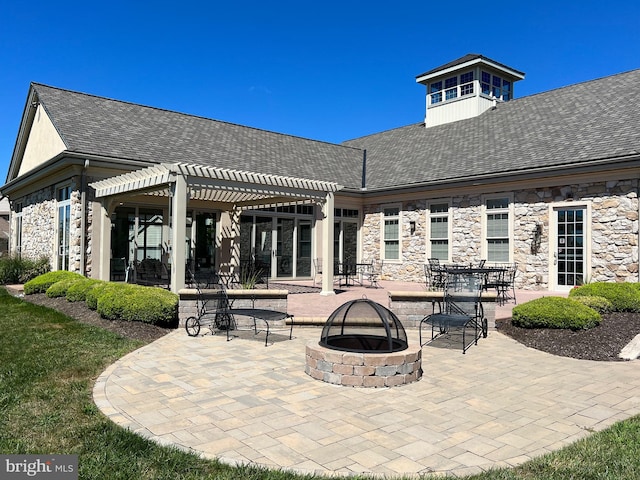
{"x":352,"y":273}
{"x":483,"y":271}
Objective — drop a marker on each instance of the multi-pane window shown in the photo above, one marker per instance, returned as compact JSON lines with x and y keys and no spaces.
{"x":391,"y":233}
{"x":435,"y":89}
{"x":64,"y":226}
{"x":485,"y":86}
{"x":466,"y":83}
{"x":506,"y":90}
{"x":451,"y":90}
{"x":497,"y":237}
{"x":496,"y":86}
{"x":439,"y":231}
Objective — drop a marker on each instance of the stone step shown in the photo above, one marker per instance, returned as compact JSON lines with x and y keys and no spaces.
{"x":632,"y":350}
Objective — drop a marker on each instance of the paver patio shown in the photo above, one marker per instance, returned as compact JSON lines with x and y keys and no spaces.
{"x":499,"y":405}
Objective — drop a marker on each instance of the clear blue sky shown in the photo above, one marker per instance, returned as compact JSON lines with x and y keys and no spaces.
{"x":331,"y":70}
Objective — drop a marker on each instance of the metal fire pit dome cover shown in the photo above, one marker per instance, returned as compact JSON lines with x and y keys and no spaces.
{"x":364,"y":326}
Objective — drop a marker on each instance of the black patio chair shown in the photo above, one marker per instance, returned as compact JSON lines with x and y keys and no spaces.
{"x":435,"y":275}
{"x":506,"y":288}
{"x":501,"y":277}
{"x":461,"y":314}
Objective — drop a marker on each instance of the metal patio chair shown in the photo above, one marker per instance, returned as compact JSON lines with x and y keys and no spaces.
{"x":461,"y":313}
{"x":435,"y":275}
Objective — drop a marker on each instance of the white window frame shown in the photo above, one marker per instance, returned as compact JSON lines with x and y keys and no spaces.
{"x":63,"y":204}
{"x":510,"y":222}
{"x":446,"y":215}
{"x":383,"y":240}
{"x":553,"y":240}
{"x":17,"y":238}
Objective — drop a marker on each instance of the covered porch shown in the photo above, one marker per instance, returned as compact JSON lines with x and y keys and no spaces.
{"x":230,"y":192}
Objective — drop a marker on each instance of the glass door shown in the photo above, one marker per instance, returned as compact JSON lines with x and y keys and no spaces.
{"x":303,"y":254}
{"x":569,"y":255}
{"x":263,"y":246}
{"x":278,"y":246}
{"x":284,"y":248}
{"x":205,"y":244}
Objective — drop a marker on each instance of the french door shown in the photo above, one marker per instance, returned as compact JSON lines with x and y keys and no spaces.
{"x":570,"y":255}
{"x":280,"y":247}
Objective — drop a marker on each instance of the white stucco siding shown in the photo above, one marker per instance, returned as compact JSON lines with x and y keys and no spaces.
{"x":43,"y":144}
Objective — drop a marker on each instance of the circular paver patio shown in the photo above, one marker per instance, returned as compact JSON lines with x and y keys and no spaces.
{"x":500,"y":404}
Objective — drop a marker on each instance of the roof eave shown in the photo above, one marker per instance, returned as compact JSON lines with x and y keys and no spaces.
{"x":594,"y":165}
{"x":515,"y":74}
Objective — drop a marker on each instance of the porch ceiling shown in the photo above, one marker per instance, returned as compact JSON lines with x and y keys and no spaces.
{"x":222,"y":185}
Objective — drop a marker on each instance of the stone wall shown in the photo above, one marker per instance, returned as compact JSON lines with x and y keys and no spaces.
{"x":614,"y":232}
{"x":412,"y":306}
{"x":38,"y":225}
{"x":40,"y":228}
{"x":267,"y":299}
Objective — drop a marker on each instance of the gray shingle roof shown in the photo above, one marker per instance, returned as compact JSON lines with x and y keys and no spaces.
{"x":588,"y":121}
{"x":111,"y":128}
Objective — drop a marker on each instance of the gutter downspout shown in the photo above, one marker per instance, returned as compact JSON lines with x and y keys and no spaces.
{"x":363,"y":185}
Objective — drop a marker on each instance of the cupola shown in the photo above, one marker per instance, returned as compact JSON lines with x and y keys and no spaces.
{"x":466,"y":88}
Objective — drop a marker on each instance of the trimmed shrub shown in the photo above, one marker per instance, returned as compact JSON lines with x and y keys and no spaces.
{"x":77,"y":292}
{"x":59,"y":289}
{"x":625,"y":297}
{"x":555,"y":312}
{"x":41,"y":283}
{"x":599,"y":304}
{"x":136,"y":303}
{"x":20,"y":270}
{"x":94,"y":292}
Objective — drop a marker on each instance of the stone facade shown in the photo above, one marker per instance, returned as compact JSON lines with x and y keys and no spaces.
{"x":613,"y":250}
{"x":40,"y":232}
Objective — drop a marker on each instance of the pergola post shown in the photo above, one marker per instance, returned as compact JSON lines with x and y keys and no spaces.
{"x":178,"y":232}
{"x":104,"y":247}
{"x":327,"y":245}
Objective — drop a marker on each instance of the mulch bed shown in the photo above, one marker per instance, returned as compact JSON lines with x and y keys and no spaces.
{"x":602,"y":343}
{"x":135,"y":330}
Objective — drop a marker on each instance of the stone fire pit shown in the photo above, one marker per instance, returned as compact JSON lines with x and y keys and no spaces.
{"x":363,"y":344}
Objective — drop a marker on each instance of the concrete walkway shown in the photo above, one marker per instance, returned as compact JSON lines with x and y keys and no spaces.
{"x":499,"y":405}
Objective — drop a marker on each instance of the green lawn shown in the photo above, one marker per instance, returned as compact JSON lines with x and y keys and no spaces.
{"x":48,"y":363}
